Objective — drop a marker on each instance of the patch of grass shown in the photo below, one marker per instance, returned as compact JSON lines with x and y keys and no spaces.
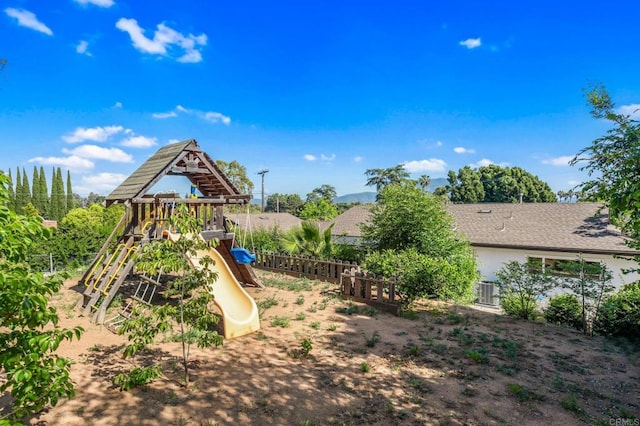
{"x":300,"y":300}
{"x":567,"y":363}
{"x":419,"y":384}
{"x":313,"y":308}
{"x":414,"y":350}
{"x":510,"y":348}
{"x":280,"y":322}
{"x":373,"y":340}
{"x":296,"y":285}
{"x":523,"y":393}
{"x":315,"y":325}
{"x":300,"y":316}
{"x":506,"y":370}
{"x":570,"y":403}
{"x":364,"y":367}
{"x":481,"y":356}
{"x":261,"y":336}
{"x":463,"y":338}
{"x":265,"y":304}
{"x":369,"y":311}
{"x":469,"y":391}
{"x":441,"y":348}
{"x":409,"y":314}
{"x":332,"y":327}
{"x":350,"y":309}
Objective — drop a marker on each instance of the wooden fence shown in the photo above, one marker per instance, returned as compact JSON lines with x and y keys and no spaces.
{"x":375,"y":291}
{"x":297,"y":266}
{"x":355,"y":284}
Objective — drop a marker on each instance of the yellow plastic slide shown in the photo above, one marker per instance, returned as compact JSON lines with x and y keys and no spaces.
{"x":239,"y":310}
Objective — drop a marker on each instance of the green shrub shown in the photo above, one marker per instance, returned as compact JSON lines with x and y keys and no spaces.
{"x":519,"y":307}
{"x":138,"y":376}
{"x":619,"y":314}
{"x":565,"y":310}
{"x":421,"y":276}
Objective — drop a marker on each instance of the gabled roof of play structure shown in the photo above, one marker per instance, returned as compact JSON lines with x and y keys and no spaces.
{"x":178,"y":159}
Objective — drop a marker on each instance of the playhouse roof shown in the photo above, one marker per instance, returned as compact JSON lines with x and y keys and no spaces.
{"x":178,"y":159}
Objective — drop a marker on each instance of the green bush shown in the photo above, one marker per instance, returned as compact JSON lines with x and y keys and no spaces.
{"x":619,"y":314}
{"x":565,"y":310}
{"x":519,"y":307}
{"x":423,"y":276}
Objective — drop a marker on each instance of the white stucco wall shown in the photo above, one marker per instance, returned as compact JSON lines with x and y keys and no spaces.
{"x":492,"y":259}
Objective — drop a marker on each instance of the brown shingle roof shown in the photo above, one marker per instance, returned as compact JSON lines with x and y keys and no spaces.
{"x":183,"y":158}
{"x":570,"y":227}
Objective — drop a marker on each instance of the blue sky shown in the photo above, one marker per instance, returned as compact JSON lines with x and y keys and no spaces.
{"x":315,"y":92}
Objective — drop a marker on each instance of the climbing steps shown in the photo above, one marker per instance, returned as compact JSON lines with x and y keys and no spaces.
{"x":143,"y":295}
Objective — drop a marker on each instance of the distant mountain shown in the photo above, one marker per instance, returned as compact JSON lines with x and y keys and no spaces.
{"x":360,"y":197}
{"x":370,"y":197}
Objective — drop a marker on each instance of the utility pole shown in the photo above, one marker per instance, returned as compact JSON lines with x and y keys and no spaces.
{"x":262,"y":173}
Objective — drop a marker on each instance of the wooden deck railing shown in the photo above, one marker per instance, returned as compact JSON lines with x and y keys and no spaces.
{"x":355,"y":284}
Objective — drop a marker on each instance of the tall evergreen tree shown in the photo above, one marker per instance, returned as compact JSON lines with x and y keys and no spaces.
{"x":44,"y":190}
{"x":57,"y":196}
{"x":36,"y":192}
{"x":12,"y":193}
{"x":19,"y":197}
{"x":26,"y":188}
{"x":70,"y":201}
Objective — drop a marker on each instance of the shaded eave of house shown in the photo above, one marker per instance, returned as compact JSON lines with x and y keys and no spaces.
{"x":179,"y":159}
{"x":558,"y":227}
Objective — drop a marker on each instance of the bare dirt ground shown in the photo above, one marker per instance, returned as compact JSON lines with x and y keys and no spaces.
{"x":440,"y":365}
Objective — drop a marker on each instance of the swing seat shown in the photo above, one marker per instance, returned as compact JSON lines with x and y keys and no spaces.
{"x":242,"y":255}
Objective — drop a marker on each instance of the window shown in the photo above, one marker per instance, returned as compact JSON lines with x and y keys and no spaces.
{"x":563,"y":267}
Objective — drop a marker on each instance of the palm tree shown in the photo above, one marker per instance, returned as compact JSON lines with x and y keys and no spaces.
{"x":383,"y":177}
{"x":308,"y":240}
{"x":424,"y":181}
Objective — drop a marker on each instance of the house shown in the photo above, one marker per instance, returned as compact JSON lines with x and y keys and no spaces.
{"x":548,"y":233}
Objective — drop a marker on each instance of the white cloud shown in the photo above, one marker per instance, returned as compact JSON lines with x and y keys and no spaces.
{"x":181,"y":108}
{"x":28,"y":19}
{"x":463,"y":150}
{"x":216,"y":117}
{"x":174,"y":141}
{"x":357,"y":159}
{"x":486,"y":162}
{"x":100,"y":183}
{"x":310,"y":157}
{"x":100,"y":3}
{"x":471,"y":43}
{"x":164,"y":39}
{"x":327,"y":157}
{"x":139,"y":142}
{"x":95,"y":152}
{"x":438,"y":143}
{"x":72,"y":162}
{"x":82,"y":48}
{"x":430,"y":165}
{"x":559,"y":161}
{"x":117,"y":105}
{"x":632,"y":110}
{"x":96,"y":134}
{"x":162,"y":115}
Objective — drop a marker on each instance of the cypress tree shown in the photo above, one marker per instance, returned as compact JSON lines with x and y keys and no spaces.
{"x":19,"y":193}
{"x":26,"y":188}
{"x":35,"y":191}
{"x":44,"y":191}
{"x":56,"y":207}
{"x":12,"y":194}
{"x":70,"y":201}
